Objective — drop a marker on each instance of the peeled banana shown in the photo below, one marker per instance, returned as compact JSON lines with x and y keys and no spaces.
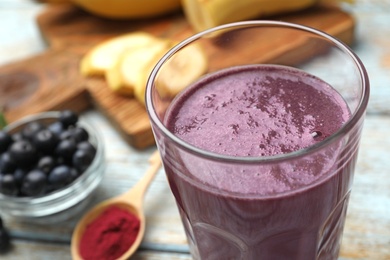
{"x":205,"y":14}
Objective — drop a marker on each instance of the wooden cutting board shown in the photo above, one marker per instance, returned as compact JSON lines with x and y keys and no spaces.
{"x":51,"y":80}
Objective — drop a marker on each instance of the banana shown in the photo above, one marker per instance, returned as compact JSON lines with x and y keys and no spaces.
{"x":204,"y":14}
{"x":182,"y":69}
{"x":126,"y":9}
{"x":124,"y":77}
{"x":104,"y":55}
{"x":127,"y":60}
{"x":140,"y":85}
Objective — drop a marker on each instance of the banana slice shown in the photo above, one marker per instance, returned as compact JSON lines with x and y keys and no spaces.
{"x":128,"y":73}
{"x":183,"y":69}
{"x":106,"y":54}
{"x":140,"y":85}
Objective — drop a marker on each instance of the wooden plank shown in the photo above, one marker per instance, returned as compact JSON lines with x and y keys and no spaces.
{"x":34,"y":251}
{"x":372,"y":46}
{"x":161,"y":256}
{"x":367,"y":230}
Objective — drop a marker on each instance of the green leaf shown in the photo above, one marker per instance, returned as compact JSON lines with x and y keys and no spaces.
{"x":3,"y":122}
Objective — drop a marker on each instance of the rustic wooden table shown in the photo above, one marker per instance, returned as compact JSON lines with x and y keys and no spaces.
{"x":367,"y":230}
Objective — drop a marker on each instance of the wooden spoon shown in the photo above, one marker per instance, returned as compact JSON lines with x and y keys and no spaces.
{"x":131,"y":200}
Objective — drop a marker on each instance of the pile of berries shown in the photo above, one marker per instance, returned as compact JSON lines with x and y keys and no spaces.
{"x":40,"y":159}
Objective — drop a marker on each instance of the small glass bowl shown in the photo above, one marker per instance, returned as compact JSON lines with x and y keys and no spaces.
{"x":64,"y":203}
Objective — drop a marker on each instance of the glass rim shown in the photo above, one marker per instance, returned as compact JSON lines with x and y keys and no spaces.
{"x":352,"y":121}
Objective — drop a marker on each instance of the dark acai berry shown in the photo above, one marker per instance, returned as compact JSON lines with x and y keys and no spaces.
{"x":17,"y":136}
{"x":5,"y":241}
{"x":45,"y":141}
{"x":56,"y":128}
{"x":19,"y":175}
{"x":8,"y":185}
{"x":7,"y":164}
{"x":66,"y":148}
{"x":46,"y":163}
{"x":68,"y":118}
{"x":30,"y":130}
{"x":80,"y":134}
{"x":60,"y":176}
{"x":23,"y":152}
{"x":66,"y":135}
{"x":5,"y":141}
{"x":74,"y":173}
{"x":82,"y":159}
{"x":39,"y":158}
{"x":34,"y":183}
{"x":87,"y":146}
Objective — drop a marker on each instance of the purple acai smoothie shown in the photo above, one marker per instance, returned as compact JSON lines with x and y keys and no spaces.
{"x":292,"y":208}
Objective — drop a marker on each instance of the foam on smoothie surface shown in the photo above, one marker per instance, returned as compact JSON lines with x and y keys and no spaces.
{"x":257,"y":111}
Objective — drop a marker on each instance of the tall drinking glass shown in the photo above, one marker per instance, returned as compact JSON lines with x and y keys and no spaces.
{"x":268,"y":196}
